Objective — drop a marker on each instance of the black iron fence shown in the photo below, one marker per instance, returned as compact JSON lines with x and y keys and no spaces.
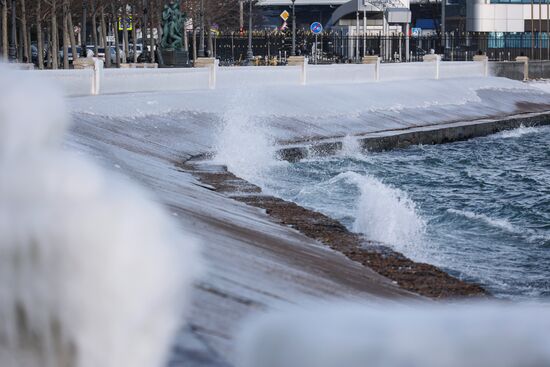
{"x":334,"y":47}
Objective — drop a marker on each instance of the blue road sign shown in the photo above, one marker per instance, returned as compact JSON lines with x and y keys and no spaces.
{"x":316,"y":27}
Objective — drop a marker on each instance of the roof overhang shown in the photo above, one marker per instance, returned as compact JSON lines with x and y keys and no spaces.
{"x":350,"y":7}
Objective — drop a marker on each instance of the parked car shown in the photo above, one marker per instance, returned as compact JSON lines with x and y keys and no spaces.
{"x":89,"y":52}
{"x":111,"y":50}
{"x":139,"y":50}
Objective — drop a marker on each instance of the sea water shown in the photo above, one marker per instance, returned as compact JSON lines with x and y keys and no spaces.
{"x":479,"y":209}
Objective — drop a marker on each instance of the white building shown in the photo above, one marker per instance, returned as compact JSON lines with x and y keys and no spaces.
{"x":507,"y":16}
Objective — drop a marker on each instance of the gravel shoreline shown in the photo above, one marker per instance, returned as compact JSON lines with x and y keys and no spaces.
{"x":424,"y":279}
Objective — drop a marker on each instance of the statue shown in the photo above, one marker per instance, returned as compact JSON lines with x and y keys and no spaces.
{"x":172,"y":22}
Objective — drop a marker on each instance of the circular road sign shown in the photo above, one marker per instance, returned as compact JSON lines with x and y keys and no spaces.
{"x":316,"y":27}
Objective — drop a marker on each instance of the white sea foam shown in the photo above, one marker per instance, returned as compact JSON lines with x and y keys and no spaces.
{"x":92,"y":271}
{"x":243,"y":144}
{"x":351,"y":148}
{"x":385,"y":214}
{"x":516,"y":133}
{"x":427,"y":335}
{"x":493,"y":222}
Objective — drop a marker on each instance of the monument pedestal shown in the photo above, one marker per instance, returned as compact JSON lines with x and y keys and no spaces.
{"x":175,"y":58}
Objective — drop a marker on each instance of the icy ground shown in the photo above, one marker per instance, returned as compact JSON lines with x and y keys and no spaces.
{"x":253,"y":264}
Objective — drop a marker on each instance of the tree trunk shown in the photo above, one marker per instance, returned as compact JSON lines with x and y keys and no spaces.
{"x":39,"y":37}
{"x":103,"y":27}
{"x":194,"y":42}
{"x":152,"y":39}
{"x":134,"y":36}
{"x":125,"y":32}
{"x":49,"y":49}
{"x":54,"y":50}
{"x":65,"y":35}
{"x":70,"y":29}
{"x":5,"y":45}
{"x":19,"y":44}
{"x":106,"y":46}
{"x":185,"y":36}
{"x":94,"y":29}
{"x":24,"y":37}
{"x":115,"y":32}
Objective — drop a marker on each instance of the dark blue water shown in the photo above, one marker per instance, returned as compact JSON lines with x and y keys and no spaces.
{"x":480,"y":209}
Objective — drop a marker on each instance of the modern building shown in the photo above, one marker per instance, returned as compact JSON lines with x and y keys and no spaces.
{"x":339,"y":14}
{"x":353,"y":21}
{"x":507,"y":16}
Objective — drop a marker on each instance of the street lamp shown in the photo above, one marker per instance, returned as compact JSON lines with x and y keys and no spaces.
{"x":293,"y":51}
{"x":249,"y":53}
{"x":83,"y":50}
{"x":201,"y":38}
{"x":13,"y":48}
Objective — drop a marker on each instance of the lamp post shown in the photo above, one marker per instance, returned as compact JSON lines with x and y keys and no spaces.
{"x":293,"y":50}
{"x":201,"y":31}
{"x":249,"y":53}
{"x":83,"y":50}
{"x":13,"y":48}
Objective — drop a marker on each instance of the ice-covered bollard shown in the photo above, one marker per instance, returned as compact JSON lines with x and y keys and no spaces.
{"x":436,"y":59}
{"x":92,"y":271}
{"x":420,"y":335}
{"x":485,"y":60}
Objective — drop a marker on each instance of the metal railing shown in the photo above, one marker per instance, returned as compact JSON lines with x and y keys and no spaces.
{"x":272,"y":48}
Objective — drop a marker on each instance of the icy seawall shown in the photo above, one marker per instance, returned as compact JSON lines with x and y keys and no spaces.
{"x":254,"y":264}
{"x":108,"y":81}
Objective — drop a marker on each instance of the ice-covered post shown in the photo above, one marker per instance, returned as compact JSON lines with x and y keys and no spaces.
{"x":525,"y":61}
{"x":303,"y":72}
{"x":436,"y":59}
{"x":485,"y":60}
{"x":375,"y":60}
{"x":97,"y":76}
{"x":212,"y":75}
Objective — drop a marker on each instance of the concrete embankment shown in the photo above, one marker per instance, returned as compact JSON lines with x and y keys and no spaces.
{"x":427,"y":135}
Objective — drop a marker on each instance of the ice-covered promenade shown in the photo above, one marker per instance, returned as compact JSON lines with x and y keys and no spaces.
{"x":254,"y":264}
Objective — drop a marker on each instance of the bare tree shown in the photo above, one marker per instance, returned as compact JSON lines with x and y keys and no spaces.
{"x":25,"y":40}
{"x":4,"y":29}
{"x":93,"y":15}
{"x":65,"y":34}
{"x":114,"y":23}
{"x":103,"y":28}
{"x":104,"y":38}
{"x":39,"y":36}
{"x":54,"y":34}
{"x":125,"y":54}
{"x":70,"y":30}
{"x":134,"y":33}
